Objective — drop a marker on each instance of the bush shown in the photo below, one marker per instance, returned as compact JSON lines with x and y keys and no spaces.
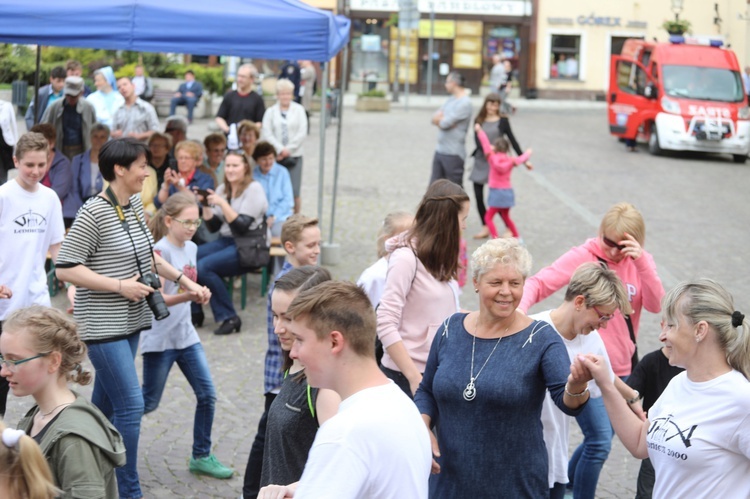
{"x":373,"y":93}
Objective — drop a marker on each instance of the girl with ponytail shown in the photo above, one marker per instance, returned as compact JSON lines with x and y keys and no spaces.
{"x":24,"y":473}
{"x":40,"y":353}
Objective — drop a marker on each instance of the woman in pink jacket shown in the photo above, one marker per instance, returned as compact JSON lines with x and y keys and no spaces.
{"x":620,"y":245}
{"x":420,"y":289}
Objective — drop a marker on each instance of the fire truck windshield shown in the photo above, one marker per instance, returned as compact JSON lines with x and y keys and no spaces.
{"x":711,"y":84}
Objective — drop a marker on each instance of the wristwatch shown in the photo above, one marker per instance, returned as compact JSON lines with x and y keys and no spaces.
{"x":634,"y":399}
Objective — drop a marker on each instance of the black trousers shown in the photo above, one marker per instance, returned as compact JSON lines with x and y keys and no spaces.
{"x":251,"y":485}
{"x":479,"y":195}
{"x":4,"y":388}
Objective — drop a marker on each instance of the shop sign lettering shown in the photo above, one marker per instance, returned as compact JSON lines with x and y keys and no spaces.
{"x":594,"y":20}
{"x":484,"y":7}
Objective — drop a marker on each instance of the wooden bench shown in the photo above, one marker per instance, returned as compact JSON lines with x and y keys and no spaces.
{"x":163,"y":99}
{"x":265,"y":274}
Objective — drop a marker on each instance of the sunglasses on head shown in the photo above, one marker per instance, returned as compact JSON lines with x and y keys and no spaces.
{"x":612,"y":244}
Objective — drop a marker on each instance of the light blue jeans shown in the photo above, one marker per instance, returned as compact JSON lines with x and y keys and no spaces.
{"x":117,"y":393}
{"x":588,"y":459}
{"x":192,"y":362}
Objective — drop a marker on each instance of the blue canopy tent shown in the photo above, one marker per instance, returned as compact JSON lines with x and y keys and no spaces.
{"x":266,"y":29}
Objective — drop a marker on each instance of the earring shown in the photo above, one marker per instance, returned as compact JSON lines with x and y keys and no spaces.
{"x":697,"y":340}
{"x":476,"y":290}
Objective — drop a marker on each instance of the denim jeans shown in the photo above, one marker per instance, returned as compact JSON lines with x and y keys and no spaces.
{"x":586,"y":463}
{"x":558,"y":491}
{"x":219,"y":259}
{"x":117,"y":393}
{"x":192,"y":362}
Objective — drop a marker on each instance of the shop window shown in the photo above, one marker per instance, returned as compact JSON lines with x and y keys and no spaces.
{"x":369,"y":60}
{"x":565,"y":57}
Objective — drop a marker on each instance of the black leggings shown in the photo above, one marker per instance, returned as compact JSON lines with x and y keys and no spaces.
{"x":479,"y":195}
{"x":4,"y":388}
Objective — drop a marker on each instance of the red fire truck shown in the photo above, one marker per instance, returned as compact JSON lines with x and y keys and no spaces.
{"x":685,"y":95}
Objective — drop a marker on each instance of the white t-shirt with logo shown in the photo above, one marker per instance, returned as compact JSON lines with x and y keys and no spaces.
{"x":556,"y":424}
{"x":376,"y":446}
{"x":699,"y":438}
{"x":30,"y":222}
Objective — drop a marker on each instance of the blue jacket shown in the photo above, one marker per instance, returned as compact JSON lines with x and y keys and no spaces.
{"x":200,"y":180}
{"x":60,"y":179}
{"x":277,"y":185}
{"x":81,"y":167}
{"x":197,"y":89}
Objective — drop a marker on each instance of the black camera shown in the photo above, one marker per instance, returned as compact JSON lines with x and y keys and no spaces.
{"x":154,"y":299}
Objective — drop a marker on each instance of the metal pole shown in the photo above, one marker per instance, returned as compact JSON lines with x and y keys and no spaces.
{"x":323,"y":117}
{"x":406,"y":85}
{"x":36,"y":84}
{"x":396,"y":66}
{"x":430,"y":50}
{"x":344,"y":79}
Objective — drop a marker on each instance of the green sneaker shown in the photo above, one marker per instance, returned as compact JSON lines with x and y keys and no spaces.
{"x":210,"y":466}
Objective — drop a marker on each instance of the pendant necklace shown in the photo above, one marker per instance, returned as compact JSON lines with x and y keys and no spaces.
{"x":470,"y":392}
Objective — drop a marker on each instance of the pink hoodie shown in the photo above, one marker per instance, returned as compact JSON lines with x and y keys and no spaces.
{"x":414,"y":304}
{"x":501,"y":165}
{"x":641,"y":282}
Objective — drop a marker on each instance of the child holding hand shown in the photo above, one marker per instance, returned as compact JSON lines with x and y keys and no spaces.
{"x":501,"y":198}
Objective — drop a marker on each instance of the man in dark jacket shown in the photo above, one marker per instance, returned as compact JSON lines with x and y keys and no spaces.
{"x":47,"y":95}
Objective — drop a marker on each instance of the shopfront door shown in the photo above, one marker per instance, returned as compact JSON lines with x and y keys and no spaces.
{"x":442,"y":64}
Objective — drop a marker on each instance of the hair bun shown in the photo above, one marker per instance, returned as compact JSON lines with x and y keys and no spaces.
{"x":737,"y":318}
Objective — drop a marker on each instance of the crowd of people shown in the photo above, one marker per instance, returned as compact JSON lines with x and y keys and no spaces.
{"x":383,"y":389}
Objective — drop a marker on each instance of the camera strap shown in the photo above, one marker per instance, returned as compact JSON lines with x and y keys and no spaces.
{"x":126,"y":227}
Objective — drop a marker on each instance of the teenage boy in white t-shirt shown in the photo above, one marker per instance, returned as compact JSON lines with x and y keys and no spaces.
{"x":31,"y":225}
{"x":376,"y":446}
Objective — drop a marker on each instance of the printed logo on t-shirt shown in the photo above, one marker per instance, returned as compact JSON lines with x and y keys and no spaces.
{"x":30,"y":222}
{"x":667,"y":431}
{"x":631,"y":291}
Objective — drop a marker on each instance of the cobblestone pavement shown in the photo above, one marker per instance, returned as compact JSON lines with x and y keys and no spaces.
{"x":693,"y":207}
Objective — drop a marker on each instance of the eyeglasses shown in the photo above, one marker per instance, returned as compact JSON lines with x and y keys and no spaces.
{"x":612,"y":244}
{"x":12,"y":365}
{"x":603,"y":317}
{"x":189,"y":224}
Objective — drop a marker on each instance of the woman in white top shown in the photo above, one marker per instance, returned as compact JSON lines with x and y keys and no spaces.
{"x":285,"y":127}
{"x":593,"y":295}
{"x":698,"y":432}
{"x":239,"y":205}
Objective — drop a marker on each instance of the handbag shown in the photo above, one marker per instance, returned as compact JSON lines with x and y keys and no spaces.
{"x":288,"y":162}
{"x":253,"y":250}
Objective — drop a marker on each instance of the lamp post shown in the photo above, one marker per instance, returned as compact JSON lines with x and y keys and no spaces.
{"x":677,"y":8}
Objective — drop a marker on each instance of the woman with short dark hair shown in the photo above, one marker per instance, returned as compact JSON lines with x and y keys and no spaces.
{"x":105,"y":255}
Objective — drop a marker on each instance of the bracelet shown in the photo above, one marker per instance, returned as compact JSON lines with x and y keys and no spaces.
{"x":177,"y":281}
{"x":634,"y":399}
{"x":581,"y":394}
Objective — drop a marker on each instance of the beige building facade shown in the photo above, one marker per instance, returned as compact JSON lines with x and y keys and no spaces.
{"x":576,"y":38}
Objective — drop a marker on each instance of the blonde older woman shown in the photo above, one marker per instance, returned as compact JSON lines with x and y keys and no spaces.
{"x":285,"y":127}
{"x":698,"y":432}
{"x":188,"y":177}
{"x":485,"y":381}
